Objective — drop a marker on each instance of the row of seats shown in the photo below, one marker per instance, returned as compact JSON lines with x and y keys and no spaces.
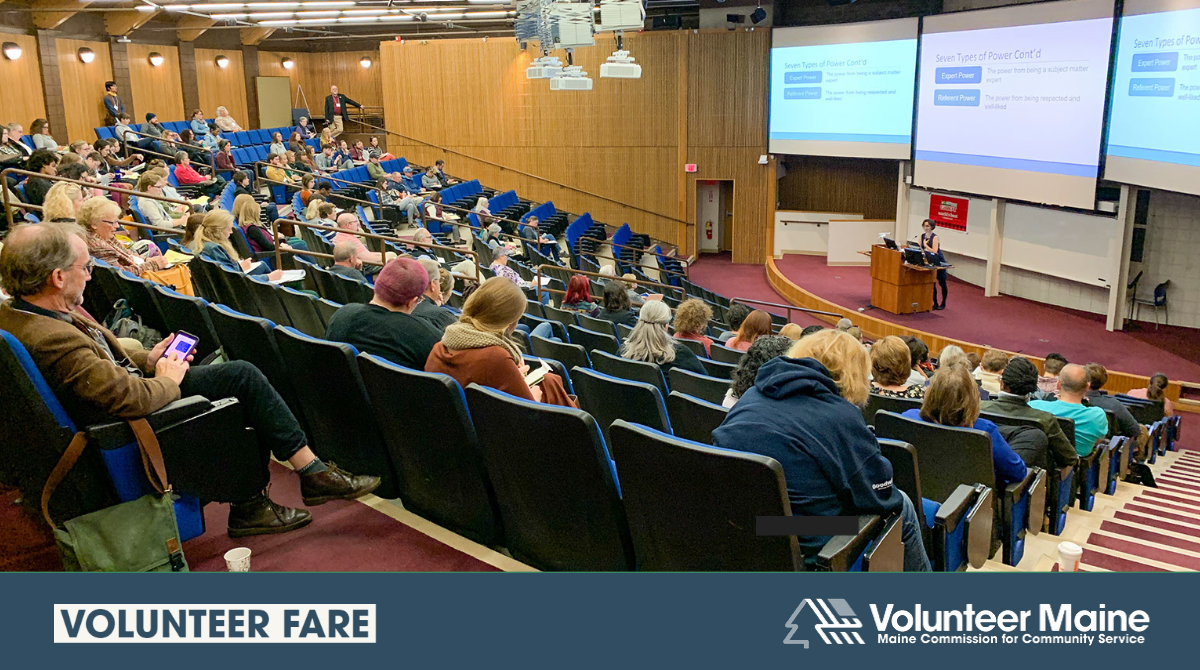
{"x":243,"y":138}
{"x":248,"y":155}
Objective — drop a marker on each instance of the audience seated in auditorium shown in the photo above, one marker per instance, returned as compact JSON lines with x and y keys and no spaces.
{"x":429,"y":308}
{"x":809,"y":330}
{"x":500,"y":267}
{"x":429,"y":180}
{"x":241,"y":180}
{"x":226,"y":122}
{"x":347,"y":224}
{"x":578,"y":297}
{"x":277,"y":146}
{"x":211,"y":240}
{"x":635,"y":298}
{"x":358,"y":153}
{"x":545,"y":244}
{"x":305,"y":130}
{"x":757,"y":324}
{"x":791,"y":331}
{"x":387,"y":327}
{"x":483,"y":212}
{"x":952,"y":399}
{"x":62,"y":202}
{"x":343,"y":155}
{"x":408,"y":182}
{"x":212,"y":140}
{"x":1127,"y":426}
{"x":14,"y":152}
{"x":433,"y":210}
{"x":374,"y":149}
{"x":890,"y":365}
{"x":100,"y":219}
{"x":1156,"y":391}
{"x":197,"y":124}
{"x":1048,"y":381}
{"x":153,"y":128}
{"x":110,"y":149}
{"x":919,"y":357}
{"x":803,"y":411}
{"x":1017,"y":383}
{"x":40,"y":131}
{"x":158,"y":213}
{"x":346,"y":261}
{"x":1091,"y":423}
{"x":439,"y":169}
{"x":764,"y":349}
{"x":479,"y":348}
{"x":395,"y":202}
{"x":295,"y":143}
{"x":46,"y":267}
{"x":736,"y":313}
{"x":691,"y":322}
{"x":248,"y":215}
{"x":187,"y":175}
{"x":321,"y":212}
{"x":275,"y":172}
{"x":990,"y":367}
{"x":616,"y":304}
{"x":224,"y":159}
{"x":651,"y":343}
{"x":326,"y":136}
{"x":953,"y":354}
{"x":491,"y":236}
{"x":45,"y":162}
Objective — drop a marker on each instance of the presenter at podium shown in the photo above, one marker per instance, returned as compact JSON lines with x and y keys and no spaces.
{"x":933,"y":250}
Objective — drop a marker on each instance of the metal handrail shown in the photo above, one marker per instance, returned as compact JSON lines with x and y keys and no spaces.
{"x":532,"y":176}
{"x":9,"y":206}
{"x":789,"y":308}
{"x":371,"y":236}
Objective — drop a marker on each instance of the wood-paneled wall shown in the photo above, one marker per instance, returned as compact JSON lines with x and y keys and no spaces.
{"x":85,"y":84}
{"x":222,"y":86}
{"x":156,"y":89}
{"x":316,"y":72}
{"x":831,"y":184}
{"x":23,"y":99}
{"x":624,"y":142}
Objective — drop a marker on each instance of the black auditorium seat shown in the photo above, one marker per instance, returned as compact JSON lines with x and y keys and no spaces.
{"x":599,"y":325}
{"x":330,"y":389}
{"x":718,"y":369}
{"x":302,"y":311}
{"x":610,"y":398}
{"x":189,"y":314}
{"x":428,"y":431}
{"x":963,"y":456}
{"x":704,"y":387}
{"x":266,"y":297}
{"x":592,"y":340}
{"x":692,"y":507}
{"x":556,"y":485}
{"x":724,"y":354}
{"x":693,"y":418}
{"x":696,"y":346}
{"x":571,"y":355}
{"x":638,"y":371}
{"x":876,"y":402}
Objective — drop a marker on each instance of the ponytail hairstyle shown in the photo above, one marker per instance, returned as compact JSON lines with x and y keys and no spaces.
{"x":209,"y":231}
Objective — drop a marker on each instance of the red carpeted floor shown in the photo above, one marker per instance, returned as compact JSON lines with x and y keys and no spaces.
{"x":1005,"y":322}
{"x":343,"y":537}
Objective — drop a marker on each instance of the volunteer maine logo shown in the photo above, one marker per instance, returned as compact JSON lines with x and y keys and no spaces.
{"x":836,"y":622}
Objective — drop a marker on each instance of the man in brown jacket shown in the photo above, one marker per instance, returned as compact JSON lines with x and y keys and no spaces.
{"x":45,"y":268}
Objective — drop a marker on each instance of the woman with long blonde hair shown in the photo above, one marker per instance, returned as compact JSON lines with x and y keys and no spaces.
{"x":480,"y":349}
{"x":62,"y":202}
{"x":248,"y":214}
{"x":211,"y":241}
{"x":803,"y":411}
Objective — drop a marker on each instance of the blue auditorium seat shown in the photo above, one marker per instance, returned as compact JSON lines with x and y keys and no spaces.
{"x":105,"y":133}
{"x":259,"y":136}
{"x":609,"y":398}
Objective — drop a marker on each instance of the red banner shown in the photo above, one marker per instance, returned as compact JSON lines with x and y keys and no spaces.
{"x":948,"y":212}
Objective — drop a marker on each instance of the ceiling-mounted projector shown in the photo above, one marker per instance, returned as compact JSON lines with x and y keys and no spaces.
{"x":621,"y":66}
{"x":573,"y":78}
{"x":544,"y":68}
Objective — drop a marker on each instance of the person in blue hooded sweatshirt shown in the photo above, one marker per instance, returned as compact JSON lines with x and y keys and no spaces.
{"x":803,"y":411}
{"x":952,"y":399}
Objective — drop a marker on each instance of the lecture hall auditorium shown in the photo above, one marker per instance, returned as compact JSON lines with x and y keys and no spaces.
{"x":613,"y":285}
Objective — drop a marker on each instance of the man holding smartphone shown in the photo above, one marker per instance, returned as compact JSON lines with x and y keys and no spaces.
{"x":45,"y":267}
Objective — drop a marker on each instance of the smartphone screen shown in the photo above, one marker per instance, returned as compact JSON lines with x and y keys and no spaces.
{"x":183,"y":345}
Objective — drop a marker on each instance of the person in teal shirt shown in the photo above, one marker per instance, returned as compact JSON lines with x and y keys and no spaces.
{"x":1091,"y":424}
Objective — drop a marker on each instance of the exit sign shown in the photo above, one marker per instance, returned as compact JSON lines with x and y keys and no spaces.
{"x":689,"y":167}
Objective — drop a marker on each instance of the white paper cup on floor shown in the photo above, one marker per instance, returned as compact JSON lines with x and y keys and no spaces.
{"x":238,"y":560}
{"x":1069,"y":555}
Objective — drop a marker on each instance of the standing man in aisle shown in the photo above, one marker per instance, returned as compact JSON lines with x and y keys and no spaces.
{"x":335,"y":111}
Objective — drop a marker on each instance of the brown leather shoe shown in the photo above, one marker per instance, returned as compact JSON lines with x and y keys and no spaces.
{"x":335,"y":484}
{"x":262,"y":516}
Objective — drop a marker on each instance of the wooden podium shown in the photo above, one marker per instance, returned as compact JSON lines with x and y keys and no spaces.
{"x":898,"y":287}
